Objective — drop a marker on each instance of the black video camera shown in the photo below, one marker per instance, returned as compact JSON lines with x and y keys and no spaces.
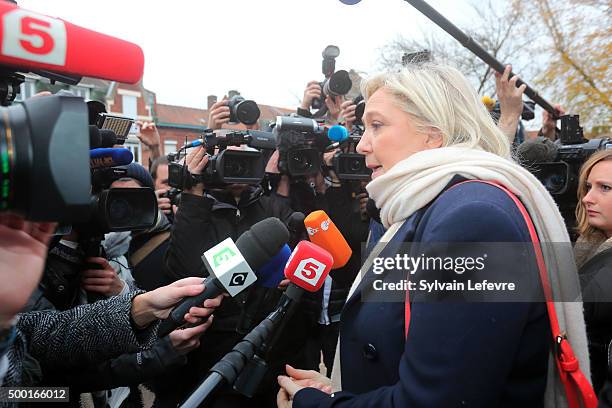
{"x":336,"y":83}
{"x":301,"y":143}
{"x":226,"y":166}
{"x":243,"y":111}
{"x":44,"y":159}
{"x":560,"y":176}
{"x":347,"y":163}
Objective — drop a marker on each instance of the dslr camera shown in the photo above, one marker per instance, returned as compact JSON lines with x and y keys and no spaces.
{"x":336,"y":83}
{"x":243,"y":111}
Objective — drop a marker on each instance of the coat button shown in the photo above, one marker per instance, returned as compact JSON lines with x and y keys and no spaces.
{"x":369,"y":352}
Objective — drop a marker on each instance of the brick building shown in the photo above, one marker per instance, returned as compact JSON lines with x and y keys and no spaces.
{"x":175,"y":123}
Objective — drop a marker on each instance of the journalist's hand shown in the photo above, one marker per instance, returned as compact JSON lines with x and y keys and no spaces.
{"x":148,"y":134}
{"x":312,"y":91}
{"x":186,"y":340}
{"x":104,"y":281}
{"x":510,"y":101}
{"x":333,"y":108}
{"x":347,"y":114}
{"x":23,"y":252}
{"x":549,"y":124}
{"x":219,"y":114}
{"x":158,"y":303}
{"x":196,"y":161}
{"x":163,"y":203}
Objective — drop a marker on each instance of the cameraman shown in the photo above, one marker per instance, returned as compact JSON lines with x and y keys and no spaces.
{"x":204,"y":218}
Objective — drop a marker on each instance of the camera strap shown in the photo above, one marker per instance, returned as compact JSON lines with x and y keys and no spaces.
{"x":148,"y":247}
{"x":578,"y":389}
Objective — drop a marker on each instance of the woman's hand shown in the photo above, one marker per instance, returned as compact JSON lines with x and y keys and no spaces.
{"x":158,"y":303}
{"x":299,"y":379}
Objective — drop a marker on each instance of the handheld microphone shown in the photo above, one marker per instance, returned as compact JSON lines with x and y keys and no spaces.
{"x":101,"y":137}
{"x":109,"y":157}
{"x":33,"y":41}
{"x":323,"y":232}
{"x":231,"y":266}
{"x":272,"y":273}
{"x":337,"y":133}
{"x":307,"y":268}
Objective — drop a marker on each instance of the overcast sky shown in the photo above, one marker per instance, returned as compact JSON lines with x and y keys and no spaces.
{"x":267,"y":49}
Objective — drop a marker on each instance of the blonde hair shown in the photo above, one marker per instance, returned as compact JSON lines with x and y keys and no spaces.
{"x":440,"y":97}
{"x":583,"y":227}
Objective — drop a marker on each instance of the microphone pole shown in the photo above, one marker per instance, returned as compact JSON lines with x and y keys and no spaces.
{"x":469,"y":43}
{"x":231,"y":365}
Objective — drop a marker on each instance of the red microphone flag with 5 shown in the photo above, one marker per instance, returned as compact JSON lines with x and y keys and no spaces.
{"x":33,"y":41}
{"x":308,"y":266}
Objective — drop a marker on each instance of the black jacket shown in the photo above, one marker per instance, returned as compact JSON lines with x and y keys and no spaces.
{"x":596,"y":281}
{"x":203,"y":222}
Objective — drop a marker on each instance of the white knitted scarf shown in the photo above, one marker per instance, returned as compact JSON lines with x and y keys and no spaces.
{"x":414,"y":182}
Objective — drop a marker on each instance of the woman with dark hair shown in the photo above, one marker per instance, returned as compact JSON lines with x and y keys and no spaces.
{"x":593,"y":252}
{"x":442,"y":174}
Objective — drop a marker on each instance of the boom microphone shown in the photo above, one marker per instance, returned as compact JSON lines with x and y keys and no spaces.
{"x":231,"y":266}
{"x":323,"y":232}
{"x":109,"y":157}
{"x":32,"y":42}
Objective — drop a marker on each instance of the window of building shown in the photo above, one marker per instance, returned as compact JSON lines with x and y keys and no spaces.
{"x":130,"y":107}
{"x":82,"y":92}
{"x":134,"y":147}
{"x":169,"y":146}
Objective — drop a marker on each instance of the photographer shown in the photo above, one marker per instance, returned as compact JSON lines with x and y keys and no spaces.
{"x":204,"y":218}
{"x":220,"y":114}
{"x":313,"y":91}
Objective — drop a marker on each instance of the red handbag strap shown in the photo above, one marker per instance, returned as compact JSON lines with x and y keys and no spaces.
{"x":578,"y":389}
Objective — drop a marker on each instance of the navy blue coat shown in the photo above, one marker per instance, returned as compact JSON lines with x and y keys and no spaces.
{"x":457,"y":353}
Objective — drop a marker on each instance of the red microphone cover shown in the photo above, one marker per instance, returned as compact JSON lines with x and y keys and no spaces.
{"x":323,"y":232}
{"x":33,"y":41}
{"x":308,"y":266}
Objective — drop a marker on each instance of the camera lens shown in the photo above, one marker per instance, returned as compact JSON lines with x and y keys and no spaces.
{"x":302,"y":162}
{"x":233,"y":168}
{"x":356,"y":165}
{"x":119,"y":212}
{"x":339,"y":84}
